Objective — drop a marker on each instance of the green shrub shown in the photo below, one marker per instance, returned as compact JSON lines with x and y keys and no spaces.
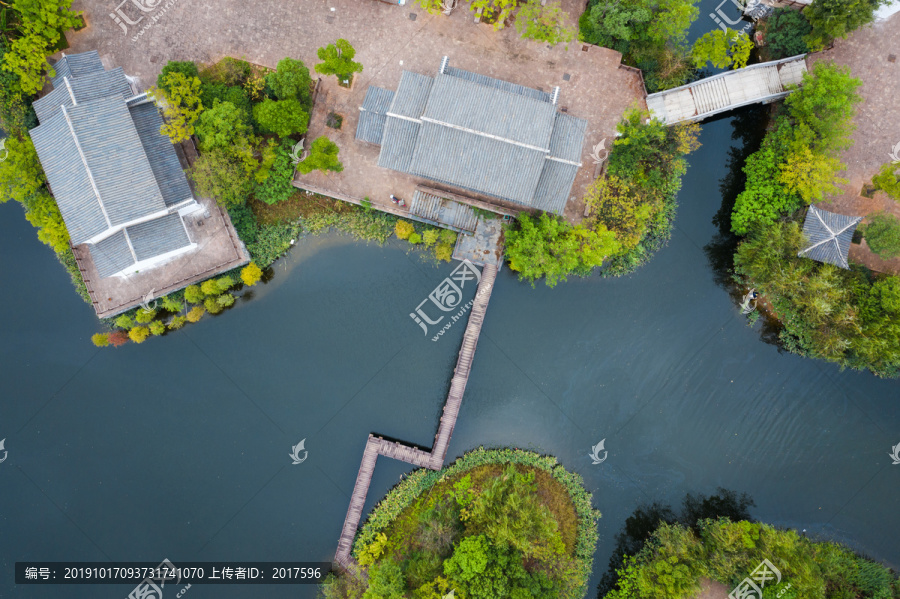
{"x":100,"y":339}
{"x":123,"y":321}
{"x":785,"y":32}
{"x":888,"y":180}
{"x":281,"y":117}
{"x":448,"y":236}
{"x":368,"y":225}
{"x":323,"y":156}
{"x":224,"y":283}
{"x":193,"y":294}
{"x":430,"y":236}
{"x":244,"y":221}
{"x":882,"y":234}
{"x":172,"y":304}
{"x":143,"y":316}
{"x":209,"y":288}
{"x":414,"y":238}
{"x":157,"y":327}
{"x":226,"y":300}
{"x":212,"y":304}
{"x":228,"y":71}
{"x":278,"y":185}
{"x":291,"y":80}
{"x":177,"y":322}
{"x":337,"y":60}
{"x":210,"y":93}
{"x":187,"y":68}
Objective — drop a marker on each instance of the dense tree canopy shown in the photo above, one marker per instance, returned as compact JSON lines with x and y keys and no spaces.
{"x":796,"y":163}
{"x":337,"y":60}
{"x":832,"y":19}
{"x":291,"y":81}
{"x":179,"y":97}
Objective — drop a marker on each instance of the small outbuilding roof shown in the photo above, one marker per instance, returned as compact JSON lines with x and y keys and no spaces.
{"x":829,"y":236}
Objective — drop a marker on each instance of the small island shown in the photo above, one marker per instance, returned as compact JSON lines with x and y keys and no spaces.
{"x":495,"y":523}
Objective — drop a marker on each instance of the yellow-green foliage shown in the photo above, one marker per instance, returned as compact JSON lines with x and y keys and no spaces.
{"x":430,"y":236}
{"x":414,"y":238}
{"x":209,"y":287}
{"x":403,"y":229}
{"x":212,"y":304}
{"x":443,"y":251}
{"x":100,"y":339}
{"x":157,"y":327}
{"x":193,"y":294}
{"x":251,"y":274}
{"x":138,"y":334}
{"x":373,"y":551}
{"x":196,"y":313}
{"x":144,"y":316}
{"x":180,"y":101}
{"x":177,"y":322}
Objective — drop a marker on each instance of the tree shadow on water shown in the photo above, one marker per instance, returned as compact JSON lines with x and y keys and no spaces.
{"x":749,"y":128}
{"x":647,"y":518}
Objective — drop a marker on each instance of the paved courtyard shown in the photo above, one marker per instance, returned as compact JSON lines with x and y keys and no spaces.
{"x":868,"y":53}
{"x":388,"y":39}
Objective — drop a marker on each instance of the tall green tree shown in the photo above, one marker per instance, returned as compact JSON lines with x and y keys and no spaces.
{"x":41,"y":24}
{"x":323,"y":156}
{"x":291,"y":81}
{"x":337,"y":60}
{"x":281,"y":117}
{"x":543,"y":23}
{"x":724,"y":49}
{"x":221,"y":174}
{"x":179,"y":98}
{"x":549,"y":247}
{"x":832,"y":19}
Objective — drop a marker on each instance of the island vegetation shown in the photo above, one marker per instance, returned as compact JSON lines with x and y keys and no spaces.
{"x":849,"y":317}
{"x":494,"y":524}
{"x":662,"y":553}
{"x":632,"y":208}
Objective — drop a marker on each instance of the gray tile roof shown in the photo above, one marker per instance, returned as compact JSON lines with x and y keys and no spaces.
{"x":115,"y":157}
{"x":480,"y":134}
{"x":161,"y":154}
{"x":69,"y":180}
{"x":498,"y":84}
{"x":108,"y":165}
{"x":412,"y":94}
{"x":829,"y":236}
{"x":398,"y":144}
{"x":554,"y":186}
{"x":158,"y":236}
{"x":111,"y":255}
{"x":567,"y":140}
{"x":76,"y":65}
{"x":85,"y":89}
{"x":490,"y":111}
{"x":491,"y":166}
{"x":373,"y":114}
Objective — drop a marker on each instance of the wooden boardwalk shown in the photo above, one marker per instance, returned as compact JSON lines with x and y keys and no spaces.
{"x":434,"y":459}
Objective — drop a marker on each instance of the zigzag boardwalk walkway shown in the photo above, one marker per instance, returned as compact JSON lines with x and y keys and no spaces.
{"x":434,"y":459}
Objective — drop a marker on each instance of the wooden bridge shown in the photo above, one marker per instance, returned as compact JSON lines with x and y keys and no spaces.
{"x":757,"y":84}
{"x":434,"y":459}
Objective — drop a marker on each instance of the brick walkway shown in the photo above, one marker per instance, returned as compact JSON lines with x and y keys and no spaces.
{"x":387,"y":41}
{"x":867,"y":53}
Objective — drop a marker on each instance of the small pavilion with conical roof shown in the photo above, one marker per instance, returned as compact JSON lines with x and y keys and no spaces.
{"x":829,"y":236}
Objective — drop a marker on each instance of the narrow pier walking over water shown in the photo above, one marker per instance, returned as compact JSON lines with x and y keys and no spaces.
{"x":434,"y":459}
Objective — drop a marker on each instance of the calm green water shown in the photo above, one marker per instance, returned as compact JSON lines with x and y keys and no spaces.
{"x":178,"y":448}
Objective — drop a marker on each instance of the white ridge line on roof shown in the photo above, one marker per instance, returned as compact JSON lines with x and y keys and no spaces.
{"x":86,"y":167}
{"x":488,"y":135}
{"x":404,"y":117}
{"x":563,"y":160}
{"x":130,"y":247}
{"x":71,"y":94}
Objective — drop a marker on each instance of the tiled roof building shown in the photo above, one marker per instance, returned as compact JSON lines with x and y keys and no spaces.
{"x":117,"y":180}
{"x":477,"y":133}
